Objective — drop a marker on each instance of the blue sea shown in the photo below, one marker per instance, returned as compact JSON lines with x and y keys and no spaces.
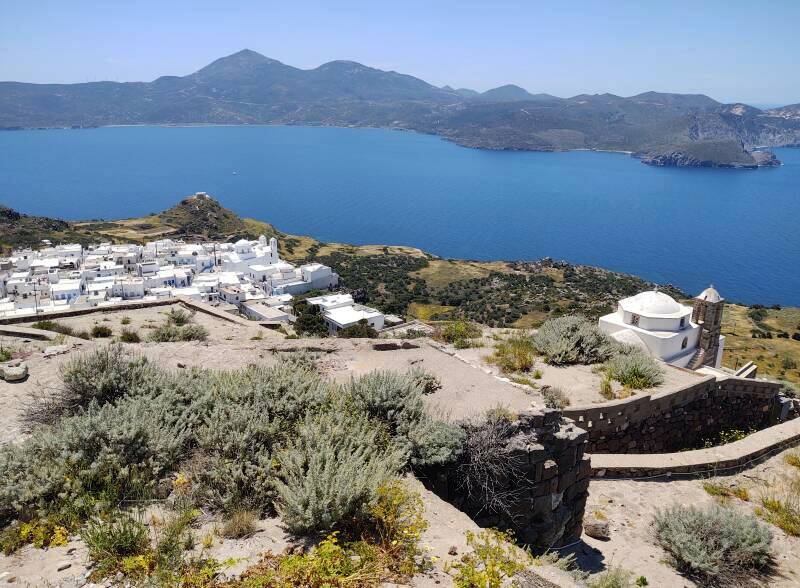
{"x":737,"y":229}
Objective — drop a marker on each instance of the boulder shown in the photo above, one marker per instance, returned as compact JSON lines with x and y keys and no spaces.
{"x":596,"y":528}
{"x":14,"y":371}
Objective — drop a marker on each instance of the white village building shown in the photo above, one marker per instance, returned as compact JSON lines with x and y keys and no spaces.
{"x":684,"y":336}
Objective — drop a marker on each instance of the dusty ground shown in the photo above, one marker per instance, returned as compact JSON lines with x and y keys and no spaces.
{"x":469,"y":387}
{"x":629,"y":506}
{"x":581,"y":383}
{"x":143,"y":320}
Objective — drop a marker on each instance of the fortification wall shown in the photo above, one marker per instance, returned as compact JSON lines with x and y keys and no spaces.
{"x":680,"y":419}
{"x":549,"y":491}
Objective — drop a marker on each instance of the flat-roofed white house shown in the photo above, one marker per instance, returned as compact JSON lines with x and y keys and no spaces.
{"x":348,"y":316}
{"x":681,"y":335}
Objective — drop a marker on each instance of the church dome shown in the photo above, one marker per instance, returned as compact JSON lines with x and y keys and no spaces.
{"x":710,"y":294}
{"x":651,"y":303}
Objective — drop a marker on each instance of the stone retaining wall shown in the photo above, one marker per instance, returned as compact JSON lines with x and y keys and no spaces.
{"x":550,"y":490}
{"x":680,"y":419}
{"x":721,"y":460}
{"x":47,"y":316}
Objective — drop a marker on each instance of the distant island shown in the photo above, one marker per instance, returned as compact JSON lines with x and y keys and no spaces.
{"x":688,"y":130}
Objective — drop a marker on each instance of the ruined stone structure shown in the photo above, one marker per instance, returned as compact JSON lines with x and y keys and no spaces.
{"x":707,"y":312}
{"x":681,"y":419}
{"x":548,"y":491}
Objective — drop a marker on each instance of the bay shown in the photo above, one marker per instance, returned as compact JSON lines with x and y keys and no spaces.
{"x":737,"y":229}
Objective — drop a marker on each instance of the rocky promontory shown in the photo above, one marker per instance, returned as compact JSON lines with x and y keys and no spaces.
{"x":720,"y":154}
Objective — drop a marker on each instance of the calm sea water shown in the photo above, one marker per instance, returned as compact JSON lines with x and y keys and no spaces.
{"x":737,"y":229}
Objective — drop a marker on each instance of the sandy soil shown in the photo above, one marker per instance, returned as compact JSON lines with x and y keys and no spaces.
{"x":143,"y":320}
{"x":629,"y":506}
{"x":581,"y":383}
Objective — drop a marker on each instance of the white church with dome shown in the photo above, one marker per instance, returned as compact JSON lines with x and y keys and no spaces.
{"x":684,"y":336}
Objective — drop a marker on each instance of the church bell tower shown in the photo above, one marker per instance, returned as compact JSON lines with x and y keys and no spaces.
{"x":707,"y":312}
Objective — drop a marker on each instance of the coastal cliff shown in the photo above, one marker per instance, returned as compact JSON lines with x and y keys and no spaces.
{"x":690,"y":130}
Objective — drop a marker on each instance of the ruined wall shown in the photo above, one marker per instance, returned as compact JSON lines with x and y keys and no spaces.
{"x":549,"y":489}
{"x":681,"y":419}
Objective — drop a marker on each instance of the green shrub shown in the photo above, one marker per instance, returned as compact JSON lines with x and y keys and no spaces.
{"x":491,"y":562}
{"x":330,"y":470}
{"x":178,"y":317}
{"x":426,"y":380}
{"x":110,"y":540}
{"x":515,"y":354}
{"x":572,"y":339}
{"x":129,"y":336}
{"x":5,"y":354}
{"x":435,"y":442}
{"x":100,"y":376}
{"x":361,"y":330}
{"x":554,"y":397}
{"x":634,"y":368}
{"x":613,"y":578}
{"x":101,"y":331}
{"x":125,"y":320}
{"x":48,"y":325}
{"x":169,"y":333}
{"x":388,"y":396}
{"x":714,"y":542}
{"x":461,"y":333}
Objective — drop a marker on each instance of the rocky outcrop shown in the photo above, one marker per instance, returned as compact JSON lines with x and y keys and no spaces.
{"x":725,"y":153}
{"x":765,"y":159}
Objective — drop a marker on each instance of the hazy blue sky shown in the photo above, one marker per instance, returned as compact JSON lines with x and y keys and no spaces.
{"x":732,"y":50}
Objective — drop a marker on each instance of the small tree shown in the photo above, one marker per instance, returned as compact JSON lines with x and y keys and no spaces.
{"x":361,"y":330}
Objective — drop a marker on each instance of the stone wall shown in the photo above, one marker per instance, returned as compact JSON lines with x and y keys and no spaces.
{"x":681,"y":419}
{"x":549,"y":488}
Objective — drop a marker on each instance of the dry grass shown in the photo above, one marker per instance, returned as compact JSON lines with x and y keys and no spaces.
{"x":780,"y":504}
{"x":769,"y":354}
{"x":239,"y":524}
{"x":442,"y":272}
{"x":424,"y":312}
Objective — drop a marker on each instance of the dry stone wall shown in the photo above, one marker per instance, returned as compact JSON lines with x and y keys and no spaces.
{"x":681,"y":419}
{"x":548,"y":491}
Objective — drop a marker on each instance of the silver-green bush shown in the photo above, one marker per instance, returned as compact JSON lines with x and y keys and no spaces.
{"x":572,"y":339}
{"x":634,"y":368}
{"x":713,"y":541}
{"x":330,"y":470}
{"x":101,"y":376}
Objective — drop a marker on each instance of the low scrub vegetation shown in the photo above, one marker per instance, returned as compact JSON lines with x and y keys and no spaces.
{"x":719,"y":544}
{"x":258,"y":440}
{"x":635,"y":369}
{"x":554,"y":397}
{"x":178,"y":326}
{"x":461,"y":333}
{"x":169,"y":333}
{"x":386,"y":550}
{"x":517,"y":353}
{"x":780,"y":505}
{"x":492,"y":561}
{"x":129,"y":336}
{"x":573,"y":339}
{"x":61,"y":328}
{"x":101,"y":332}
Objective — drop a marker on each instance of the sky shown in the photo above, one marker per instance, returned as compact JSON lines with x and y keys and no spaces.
{"x":731,"y":50}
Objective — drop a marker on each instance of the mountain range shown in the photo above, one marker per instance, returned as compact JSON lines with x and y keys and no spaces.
{"x":249,"y":88}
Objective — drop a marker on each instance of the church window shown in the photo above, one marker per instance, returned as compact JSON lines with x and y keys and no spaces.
{"x":635,"y":320}
{"x":683,"y":321}
{"x":685,"y":342}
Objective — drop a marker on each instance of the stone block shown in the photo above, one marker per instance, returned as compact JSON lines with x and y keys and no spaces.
{"x":566,"y":480}
{"x":550,"y":469}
